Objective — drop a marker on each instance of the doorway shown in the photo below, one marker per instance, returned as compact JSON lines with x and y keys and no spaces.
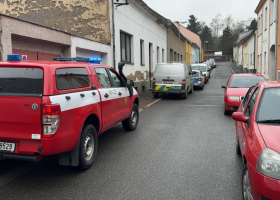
{"x":150,"y":62}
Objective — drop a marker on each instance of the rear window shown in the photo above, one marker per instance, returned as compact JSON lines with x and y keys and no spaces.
{"x":72,"y":78}
{"x":245,"y":81}
{"x":199,"y":67}
{"x":21,"y":82}
{"x":169,"y":69}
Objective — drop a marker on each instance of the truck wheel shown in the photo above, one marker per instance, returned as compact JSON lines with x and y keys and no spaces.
{"x":88,"y":147}
{"x":131,"y":123}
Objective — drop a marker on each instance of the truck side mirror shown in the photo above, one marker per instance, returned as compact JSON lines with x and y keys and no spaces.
{"x":130,"y":83}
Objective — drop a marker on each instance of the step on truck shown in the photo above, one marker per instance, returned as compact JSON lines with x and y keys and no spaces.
{"x":60,"y":107}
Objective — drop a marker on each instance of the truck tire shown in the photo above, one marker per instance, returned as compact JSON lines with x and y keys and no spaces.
{"x":88,"y":147}
{"x":131,"y":123}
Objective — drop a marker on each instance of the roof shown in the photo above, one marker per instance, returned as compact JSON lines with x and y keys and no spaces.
{"x":269,"y":84}
{"x":189,"y":35}
{"x":260,"y":5}
{"x":242,"y":36}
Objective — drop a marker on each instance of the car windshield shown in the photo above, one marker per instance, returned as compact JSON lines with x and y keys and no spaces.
{"x":269,"y":108}
{"x":245,"y":81}
{"x":169,"y":69}
{"x":200,"y":67}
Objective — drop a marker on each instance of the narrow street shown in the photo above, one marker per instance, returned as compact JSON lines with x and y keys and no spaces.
{"x":181,"y":149}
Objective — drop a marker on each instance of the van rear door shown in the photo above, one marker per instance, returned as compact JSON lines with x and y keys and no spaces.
{"x":21,"y":91}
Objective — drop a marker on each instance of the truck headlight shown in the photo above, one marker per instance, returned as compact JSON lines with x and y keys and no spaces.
{"x":235,"y":98}
{"x":269,"y":163}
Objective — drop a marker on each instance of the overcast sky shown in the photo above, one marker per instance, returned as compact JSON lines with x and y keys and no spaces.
{"x":204,"y":10}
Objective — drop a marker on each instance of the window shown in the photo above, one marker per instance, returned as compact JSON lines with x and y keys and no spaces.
{"x":245,"y":81}
{"x":261,"y":24}
{"x":21,"y":81}
{"x":116,"y":79}
{"x":265,"y":23}
{"x":103,"y":77}
{"x":251,"y":104}
{"x":251,"y":59}
{"x":142,"y":60}
{"x":158,"y":54}
{"x":72,"y":78}
{"x":162,"y":55}
{"x":272,"y":12}
{"x":171,"y":55}
{"x":250,"y":91}
{"x":125,"y":47}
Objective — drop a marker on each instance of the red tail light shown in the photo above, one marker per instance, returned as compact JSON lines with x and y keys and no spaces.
{"x":200,"y":79}
{"x":154,"y":81}
{"x":184,"y":82}
{"x":50,"y":119}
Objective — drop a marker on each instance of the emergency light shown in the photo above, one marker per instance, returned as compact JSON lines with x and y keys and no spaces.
{"x":13,"y":57}
{"x":91,"y":60}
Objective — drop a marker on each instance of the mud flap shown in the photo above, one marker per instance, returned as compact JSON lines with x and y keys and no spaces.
{"x":71,"y":158}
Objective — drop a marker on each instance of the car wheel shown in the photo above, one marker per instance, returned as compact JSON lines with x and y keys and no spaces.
{"x":156,"y":95}
{"x":226,"y":112}
{"x":88,"y":147}
{"x":246,"y":187}
{"x":131,"y":123}
{"x":238,"y":151}
{"x":202,"y":88}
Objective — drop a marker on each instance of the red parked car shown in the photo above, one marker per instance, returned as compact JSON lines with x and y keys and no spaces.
{"x":236,"y":88}
{"x":258,"y":141}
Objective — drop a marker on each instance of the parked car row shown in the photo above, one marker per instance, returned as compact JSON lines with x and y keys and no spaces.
{"x":180,"y":78}
{"x":257,"y":116}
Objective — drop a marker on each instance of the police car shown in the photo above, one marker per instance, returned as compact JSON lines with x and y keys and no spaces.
{"x":60,"y":107}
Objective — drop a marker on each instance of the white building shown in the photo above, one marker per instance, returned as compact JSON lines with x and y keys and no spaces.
{"x":266,"y":38}
{"x":140,"y":41}
{"x":193,"y":53}
{"x":251,"y":53}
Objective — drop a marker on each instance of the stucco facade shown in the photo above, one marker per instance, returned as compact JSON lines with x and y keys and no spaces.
{"x":147,"y":46}
{"x":245,"y":56}
{"x":251,"y":53}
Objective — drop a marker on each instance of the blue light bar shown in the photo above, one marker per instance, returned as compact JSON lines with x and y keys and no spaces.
{"x":91,"y":60}
{"x":13,"y":57}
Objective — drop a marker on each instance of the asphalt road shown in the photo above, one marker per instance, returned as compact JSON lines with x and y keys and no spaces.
{"x":181,"y":149}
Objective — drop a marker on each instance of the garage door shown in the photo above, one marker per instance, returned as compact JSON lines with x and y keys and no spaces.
{"x":34,"y":55}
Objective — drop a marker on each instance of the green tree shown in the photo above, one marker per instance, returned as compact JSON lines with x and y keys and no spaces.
{"x":226,"y":41}
{"x":206,"y":35}
{"x":253,"y":25}
{"x":193,"y":24}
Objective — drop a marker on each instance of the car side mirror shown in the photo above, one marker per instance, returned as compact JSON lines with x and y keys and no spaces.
{"x":130,"y":83}
{"x":223,"y":86}
{"x":240,"y":117}
{"x":93,"y":87}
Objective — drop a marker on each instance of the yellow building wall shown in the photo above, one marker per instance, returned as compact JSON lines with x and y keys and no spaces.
{"x":188,"y":52}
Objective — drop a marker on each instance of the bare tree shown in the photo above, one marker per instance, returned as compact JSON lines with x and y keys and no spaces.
{"x":229,"y":22}
{"x":217,"y":26}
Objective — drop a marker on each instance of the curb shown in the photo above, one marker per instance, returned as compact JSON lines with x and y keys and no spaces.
{"x":230,"y":68}
{"x":147,"y":106}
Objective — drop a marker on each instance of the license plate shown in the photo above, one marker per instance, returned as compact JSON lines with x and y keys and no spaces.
{"x":167,"y":82}
{"x":5,"y":146}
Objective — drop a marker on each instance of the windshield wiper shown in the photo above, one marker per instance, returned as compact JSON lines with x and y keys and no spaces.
{"x":269,"y":121}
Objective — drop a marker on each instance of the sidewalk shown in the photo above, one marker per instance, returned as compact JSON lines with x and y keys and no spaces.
{"x":236,"y":69}
{"x":146,"y":98}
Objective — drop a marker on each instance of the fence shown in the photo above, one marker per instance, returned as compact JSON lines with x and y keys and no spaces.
{"x":225,"y":58}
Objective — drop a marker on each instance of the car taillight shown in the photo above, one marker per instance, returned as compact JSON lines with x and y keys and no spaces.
{"x":154,"y":81}
{"x":184,"y":82}
{"x":50,"y":119}
{"x":200,"y":79}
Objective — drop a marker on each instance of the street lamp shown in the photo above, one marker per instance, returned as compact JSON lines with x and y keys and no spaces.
{"x":180,"y":38}
{"x":204,"y":50}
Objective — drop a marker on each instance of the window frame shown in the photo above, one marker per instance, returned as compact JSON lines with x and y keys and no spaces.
{"x":125,"y":45}
{"x":245,"y":112}
{"x":111,"y":79}
{"x":244,"y":105}
{"x":142,"y":55}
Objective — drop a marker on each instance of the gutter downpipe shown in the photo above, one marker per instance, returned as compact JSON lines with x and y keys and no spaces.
{"x":113,"y":34}
{"x":276,"y":32}
{"x":167,"y":50}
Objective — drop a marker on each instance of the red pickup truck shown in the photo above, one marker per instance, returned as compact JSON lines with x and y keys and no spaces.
{"x":57,"y":107}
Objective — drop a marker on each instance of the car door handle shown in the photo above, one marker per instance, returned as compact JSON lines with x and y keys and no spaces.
{"x":82,"y":95}
{"x":68,"y":97}
{"x":106,"y":95}
{"x":93,"y":93}
{"x":120,"y":94}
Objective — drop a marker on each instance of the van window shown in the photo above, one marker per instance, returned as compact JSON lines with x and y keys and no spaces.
{"x":169,"y":69}
{"x":200,"y":67}
{"x":21,"y":81}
